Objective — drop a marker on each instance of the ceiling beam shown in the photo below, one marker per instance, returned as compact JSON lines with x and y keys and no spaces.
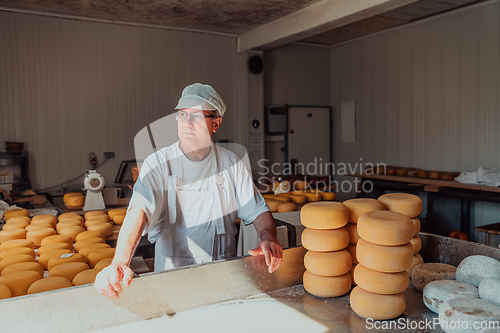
{"x":312,"y":20}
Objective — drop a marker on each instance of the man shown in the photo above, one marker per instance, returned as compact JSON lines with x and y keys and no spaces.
{"x":187,"y":197}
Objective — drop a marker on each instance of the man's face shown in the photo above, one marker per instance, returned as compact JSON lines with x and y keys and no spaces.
{"x":194,"y":129}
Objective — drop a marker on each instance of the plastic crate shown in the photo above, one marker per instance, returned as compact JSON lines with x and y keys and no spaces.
{"x":489,"y":234}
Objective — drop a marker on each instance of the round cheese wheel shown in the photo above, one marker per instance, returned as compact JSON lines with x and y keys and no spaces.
{"x":38,"y":226}
{"x":106,"y":228}
{"x":376,"y":306}
{"x":63,"y":259}
{"x":286,"y":207}
{"x":352,"y":228}
{"x":328,"y":196}
{"x":103,"y":264}
{"x":19,"y":282}
{"x":416,"y":242}
{"x":72,"y":231}
{"x":19,"y":219}
{"x":119,"y":218}
{"x":324,"y":215}
{"x":91,"y":247}
{"x":44,"y":258}
{"x":416,"y":226}
{"x":383,"y":227}
{"x":7,"y":235}
{"x":99,"y":254}
{"x":469,"y":313}
{"x":488,"y":290}
{"x":37,"y":235}
{"x":282,"y":199}
{"x":70,"y":216}
{"x":298,"y":199}
{"x":14,"y":259}
{"x":16,"y":243}
{"x":313,"y":196}
{"x":422,"y":174}
{"x":86,"y":241}
{"x":269,"y":196}
{"x":68,"y":270}
{"x":437,"y":292}
{"x":57,"y":239}
{"x":402,"y":172}
{"x":300,"y":185}
{"x":434,"y":174}
{"x":15,"y":225}
{"x":474,"y":269}
{"x":428,"y":272}
{"x":359,"y":206}
{"x":380,"y":282}
{"x":404,"y":203}
{"x":112,"y":212}
{"x":352,"y":274}
{"x":333,"y":263}
{"x":17,"y":250}
{"x":301,"y":192}
{"x":23,"y":266}
{"x":89,"y":234}
{"x":53,"y":246}
{"x":66,"y":195}
{"x":100,"y":218}
{"x":325,"y":240}
{"x":68,"y":223}
{"x":51,"y":222}
{"x":273,"y":204}
{"x":95,"y":213}
{"x":387,"y":259}
{"x":390,"y":170}
{"x":89,"y":222}
{"x":327,"y":286}
{"x":352,"y":250}
{"x":48,"y":284}
{"x":85,"y":277}
{"x":76,"y":200}
{"x":417,"y":260}
{"x":45,"y":217}
{"x":283,"y":194}
{"x":15,"y":212}
{"x":5,"y":292}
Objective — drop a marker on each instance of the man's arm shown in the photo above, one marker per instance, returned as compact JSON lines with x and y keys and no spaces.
{"x":107,"y":282}
{"x":268,"y":245}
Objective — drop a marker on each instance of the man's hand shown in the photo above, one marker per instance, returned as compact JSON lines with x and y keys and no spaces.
{"x":273,"y":252}
{"x":107,"y":282}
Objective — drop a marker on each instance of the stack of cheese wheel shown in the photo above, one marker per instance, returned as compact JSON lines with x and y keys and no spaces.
{"x":356,"y":208}
{"x":98,"y":220}
{"x":384,"y":253}
{"x":411,"y":206}
{"x":327,"y":262}
{"x":16,"y":220}
{"x":74,"y":199}
{"x":70,"y":224}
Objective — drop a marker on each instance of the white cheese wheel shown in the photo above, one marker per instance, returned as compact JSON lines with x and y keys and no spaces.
{"x":19,"y":219}
{"x":416,"y":226}
{"x":488,"y":290}
{"x":44,"y":258}
{"x":325,"y":240}
{"x":379,"y":307}
{"x":86,"y":241}
{"x":17,"y":250}
{"x":428,"y":272}
{"x":286,"y":207}
{"x":103,"y":264}
{"x":119,"y":218}
{"x":53,"y":246}
{"x":437,"y":292}
{"x":37,"y":235}
{"x":52,"y":222}
{"x":383,"y":227}
{"x":99,"y":254}
{"x":57,"y":239}
{"x":327,"y":286}
{"x":15,"y":212}
{"x":467,"y":312}
{"x":14,"y":259}
{"x":48,"y":284}
{"x":417,"y":260}
{"x":112,"y":212}
{"x":85,"y":277}
{"x":106,"y":228}
{"x":15,"y":225}
{"x":63,"y":259}
{"x":23,"y":266}
{"x":7,"y":235}
{"x":388,"y":259}
{"x":91,"y":247}
{"x":5,"y":292}
{"x":89,"y":234}
{"x":273,"y":204}
{"x":352,"y":250}
{"x":324,"y":215}
{"x":16,"y":243}
{"x":379,"y":282}
{"x":38,"y":226}
{"x":47,"y":218}
{"x":19,"y":282}
{"x":416,"y":242}
{"x":298,"y":199}
{"x":359,"y":206}
{"x":72,"y":231}
{"x":352,"y":228}
{"x":328,"y":263}
{"x":404,"y":203}
{"x":70,"y":216}
{"x":68,"y":270}
{"x":474,"y":269}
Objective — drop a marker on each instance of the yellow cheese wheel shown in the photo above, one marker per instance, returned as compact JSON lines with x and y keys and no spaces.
{"x":106,"y":228}
{"x":72,"y":231}
{"x":89,"y":234}
{"x":352,"y":250}
{"x":286,"y":207}
{"x":327,"y":286}
{"x":379,"y":282}
{"x":75,"y":200}
{"x":65,"y":258}
{"x":99,"y":254}
{"x":383,"y":227}
{"x":273,"y":204}
{"x":68,"y":223}
{"x":404,"y":203}
{"x":416,"y":242}
{"x":44,"y":258}
{"x":19,"y":282}
{"x":70,"y":216}
{"x":378,"y":307}
{"x":298,"y":199}
{"x":352,"y":229}
{"x":57,"y":239}
{"x":325,"y":240}
{"x":37,"y":235}
{"x":23,"y":266}
{"x":103,"y":264}
{"x":359,"y":206}
{"x":417,"y":260}
{"x":328,"y":196}
{"x":333,"y":263}
{"x":15,"y":225}
{"x":38,"y":226}
{"x":381,"y":258}
{"x":352,"y":274}
{"x":269,"y":196}
{"x":15,"y":212}
{"x":95,"y":213}
{"x":66,"y":195}
{"x":48,"y":284}
{"x":284,"y":194}
{"x":300,"y":185}
{"x":14,"y":259}
{"x":79,"y":244}
{"x":85,"y":277}
{"x":16,"y":243}
{"x":5,"y":292}
{"x":102,"y":218}
{"x":416,"y":225}
{"x":48,"y":218}
{"x":324,"y":215}
{"x":68,"y":270}
{"x":112,"y":212}
{"x":298,"y":192}
{"x":313,"y":196}
{"x":52,"y":222}
{"x":19,"y":219}
{"x":7,"y":235}
{"x":91,"y":247}
{"x":17,"y":250}
{"x":92,"y":221}
{"x":53,"y":246}
{"x":282,"y":199}
{"x":118,"y":218}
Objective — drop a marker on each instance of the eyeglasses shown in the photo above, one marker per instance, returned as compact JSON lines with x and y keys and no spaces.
{"x":196,"y":117}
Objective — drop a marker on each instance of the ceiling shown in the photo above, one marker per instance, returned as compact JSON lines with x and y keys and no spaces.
{"x":258,"y":24}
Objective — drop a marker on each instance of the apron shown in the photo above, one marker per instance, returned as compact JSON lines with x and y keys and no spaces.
{"x":199,"y":228}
